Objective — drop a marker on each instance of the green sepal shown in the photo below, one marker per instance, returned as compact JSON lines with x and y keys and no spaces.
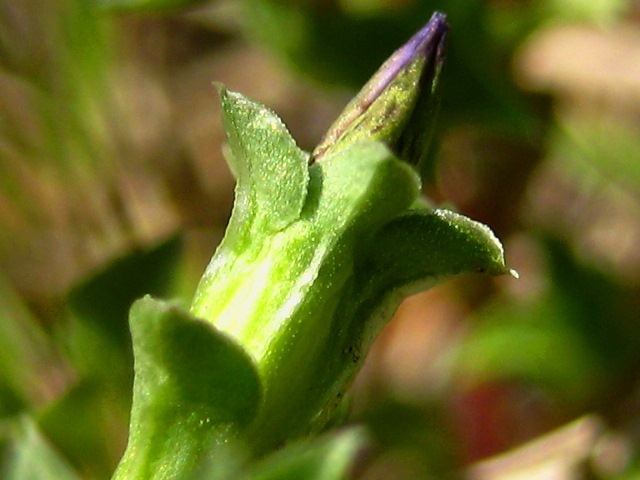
{"x":194,"y":389}
{"x":360,"y":187}
{"x":412,"y":253}
{"x":270,"y":169}
{"x":433,"y":243}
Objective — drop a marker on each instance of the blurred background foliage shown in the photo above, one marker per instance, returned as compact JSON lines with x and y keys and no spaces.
{"x":113,"y":185}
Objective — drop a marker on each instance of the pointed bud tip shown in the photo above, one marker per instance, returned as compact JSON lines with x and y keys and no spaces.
{"x":429,"y":37}
{"x":427,"y":43}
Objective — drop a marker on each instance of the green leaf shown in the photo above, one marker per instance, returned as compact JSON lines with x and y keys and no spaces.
{"x":103,"y":300}
{"x":325,"y":458}
{"x":271,"y":170}
{"x":86,"y":425}
{"x":419,"y":432}
{"x":194,"y":388}
{"x":30,"y":457}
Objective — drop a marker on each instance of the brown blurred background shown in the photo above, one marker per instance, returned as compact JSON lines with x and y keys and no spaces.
{"x":113,"y":184}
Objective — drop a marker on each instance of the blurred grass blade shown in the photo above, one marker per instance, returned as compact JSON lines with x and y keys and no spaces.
{"x":30,"y":457}
{"x":28,"y":361}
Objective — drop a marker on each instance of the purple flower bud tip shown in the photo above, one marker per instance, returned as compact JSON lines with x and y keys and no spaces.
{"x":428,"y":42}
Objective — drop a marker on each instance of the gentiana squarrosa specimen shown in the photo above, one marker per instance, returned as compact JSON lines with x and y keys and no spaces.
{"x":320,"y":250}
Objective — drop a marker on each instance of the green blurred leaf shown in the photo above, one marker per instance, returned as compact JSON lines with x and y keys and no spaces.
{"x":99,"y":336}
{"x":10,"y":403}
{"x":602,"y":148}
{"x":578,"y":340}
{"x":144,"y":5}
{"x":88,"y":425}
{"x":530,"y":343}
{"x":596,"y":11}
{"x":105,"y":298}
{"x":328,"y":457}
{"x":600,"y":311}
{"x":30,"y":457}
{"x":418,"y":431}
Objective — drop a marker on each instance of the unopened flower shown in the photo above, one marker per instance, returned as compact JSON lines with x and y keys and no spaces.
{"x":397,"y":105}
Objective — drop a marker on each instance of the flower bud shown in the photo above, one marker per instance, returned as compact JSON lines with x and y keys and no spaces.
{"x":398,"y":104}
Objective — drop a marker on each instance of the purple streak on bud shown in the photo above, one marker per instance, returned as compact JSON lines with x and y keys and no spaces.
{"x":427,"y":42}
